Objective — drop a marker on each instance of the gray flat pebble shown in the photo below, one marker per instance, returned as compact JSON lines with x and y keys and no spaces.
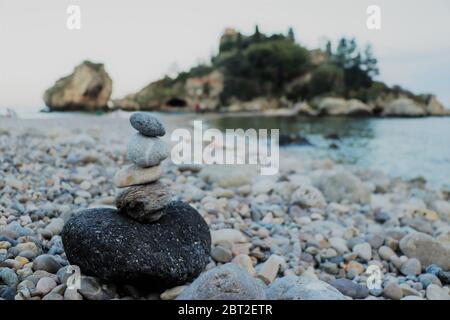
{"x":147,"y":124}
{"x":145,"y":151}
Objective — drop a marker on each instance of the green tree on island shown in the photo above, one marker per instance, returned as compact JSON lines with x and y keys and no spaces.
{"x":277,"y":66}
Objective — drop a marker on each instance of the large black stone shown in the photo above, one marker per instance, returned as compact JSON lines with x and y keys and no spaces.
{"x":112,"y":247}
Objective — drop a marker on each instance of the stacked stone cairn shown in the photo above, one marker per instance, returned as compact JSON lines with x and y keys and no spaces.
{"x":144,"y":196}
{"x":148,"y":240}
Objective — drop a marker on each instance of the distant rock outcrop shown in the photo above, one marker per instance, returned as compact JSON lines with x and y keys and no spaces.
{"x":342,"y":107}
{"x":268,"y":74}
{"x":400,"y":106}
{"x":275,"y":76}
{"x":435,"y":108}
{"x":404,"y":107}
{"x":194,"y":93}
{"x":88,"y":88}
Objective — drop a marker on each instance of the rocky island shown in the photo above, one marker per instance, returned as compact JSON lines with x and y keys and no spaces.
{"x":88,"y":88}
{"x":274,"y":75}
{"x":258,"y":73}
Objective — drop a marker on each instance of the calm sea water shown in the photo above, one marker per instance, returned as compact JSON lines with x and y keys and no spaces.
{"x":409,"y":148}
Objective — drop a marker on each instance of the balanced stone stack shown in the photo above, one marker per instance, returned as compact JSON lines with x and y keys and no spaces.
{"x":144,"y":196}
{"x":149,"y":240}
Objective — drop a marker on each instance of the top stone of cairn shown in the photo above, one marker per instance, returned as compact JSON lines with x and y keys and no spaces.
{"x":147,"y":125}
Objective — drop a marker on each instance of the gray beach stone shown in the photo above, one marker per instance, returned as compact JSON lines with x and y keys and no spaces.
{"x":147,"y":124}
{"x":339,"y":244}
{"x":412,"y":267}
{"x":53,"y":296}
{"x":350,"y":288}
{"x":55,"y":226}
{"x":72,"y":294}
{"x":308,"y":197}
{"x":363,"y":250}
{"x":227,"y":282}
{"x":133,"y":175}
{"x":91,"y":289}
{"x":386,"y":253}
{"x":8,"y":277}
{"x":428,"y":278}
{"x":393,"y":291}
{"x":228,"y":176}
{"x":45,"y":285}
{"x":7,"y":293}
{"x":172,"y":293}
{"x":426,"y":249}
{"x":47,"y":263}
{"x":302,"y":288}
{"x":435,"y":292}
{"x":337,"y":186}
{"x":146,"y":151}
{"x":221,"y":254}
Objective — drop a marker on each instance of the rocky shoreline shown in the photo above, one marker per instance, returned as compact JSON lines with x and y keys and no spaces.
{"x":310,"y":232}
{"x":89,"y":88}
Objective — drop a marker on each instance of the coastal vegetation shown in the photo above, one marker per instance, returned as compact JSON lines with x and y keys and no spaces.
{"x":260,"y":72}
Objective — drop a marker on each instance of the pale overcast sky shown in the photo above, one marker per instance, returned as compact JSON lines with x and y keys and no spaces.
{"x":139,"y":41}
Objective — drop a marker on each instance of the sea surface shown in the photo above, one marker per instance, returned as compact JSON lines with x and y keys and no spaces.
{"x":403,"y":147}
{"x":407,"y":148}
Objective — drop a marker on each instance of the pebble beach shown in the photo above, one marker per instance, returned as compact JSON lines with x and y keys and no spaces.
{"x":310,"y":232}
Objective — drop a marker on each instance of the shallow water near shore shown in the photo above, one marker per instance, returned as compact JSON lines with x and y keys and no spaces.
{"x":408,"y":148}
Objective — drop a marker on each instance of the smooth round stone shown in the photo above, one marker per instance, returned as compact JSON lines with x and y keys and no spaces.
{"x":45,"y":285}
{"x":227,"y":282}
{"x":169,"y":252}
{"x":221,"y":254}
{"x":338,"y":244}
{"x":7,"y":293}
{"x":411,"y":267}
{"x":426,"y":249}
{"x":363,"y":250}
{"x":427,"y":279}
{"x":53,"y":296}
{"x":147,"y":124}
{"x":386,"y":253}
{"x":64,"y":273}
{"x":350,"y":288}
{"x":433,"y":269}
{"x":47,"y":263}
{"x":144,"y":203}
{"x":444,"y":277}
{"x":133,"y":175}
{"x":8,"y":277}
{"x":72,"y":294}
{"x":393,"y":291}
{"x":172,"y":293}
{"x":92,"y":289}
{"x":146,"y":151}
{"x":302,"y":288}
{"x":435,"y":292}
